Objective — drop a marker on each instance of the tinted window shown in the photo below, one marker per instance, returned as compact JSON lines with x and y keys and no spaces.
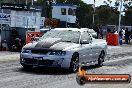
{"x":63,"y":11}
{"x":70,"y":11}
{"x":86,"y":37}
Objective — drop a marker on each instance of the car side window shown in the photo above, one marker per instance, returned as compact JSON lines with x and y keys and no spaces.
{"x":85,"y":37}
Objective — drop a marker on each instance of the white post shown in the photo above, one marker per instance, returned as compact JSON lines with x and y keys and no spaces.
{"x":93,"y":12}
{"x":119,"y":28}
{"x":26,"y":2}
{"x":32,"y":2}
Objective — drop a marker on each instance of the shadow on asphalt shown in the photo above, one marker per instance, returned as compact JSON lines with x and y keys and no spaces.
{"x":52,"y":71}
{"x":45,"y":71}
{"x":90,"y":67}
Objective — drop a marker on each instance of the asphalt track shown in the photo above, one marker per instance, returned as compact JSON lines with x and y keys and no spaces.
{"x":12,"y":75}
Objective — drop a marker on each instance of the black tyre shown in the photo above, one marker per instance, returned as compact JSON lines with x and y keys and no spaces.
{"x":101,"y":59}
{"x":27,"y":66}
{"x":74,"y":65}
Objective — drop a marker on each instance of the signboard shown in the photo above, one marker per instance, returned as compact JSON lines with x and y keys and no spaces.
{"x":25,"y":19}
{"x":42,"y":20}
{"x":35,"y":8}
{"x":21,"y":7}
{"x":31,"y":21}
{"x":30,"y":36}
{"x":14,"y":6}
{"x":5,"y":18}
{"x":19,"y":20}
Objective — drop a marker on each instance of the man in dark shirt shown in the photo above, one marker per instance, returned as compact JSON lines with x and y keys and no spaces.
{"x":96,"y":29}
{"x":131,"y":33}
{"x":126,"y":36}
{"x":120,"y":36}
{"x":129,"y":36}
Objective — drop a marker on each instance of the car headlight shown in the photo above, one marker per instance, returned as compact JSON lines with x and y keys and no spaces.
{"x":26,"y":51}
{"x":60,"y":53}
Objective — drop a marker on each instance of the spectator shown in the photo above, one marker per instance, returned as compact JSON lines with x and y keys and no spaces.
{"x":126,"y":36}
{"x":108,"y":30}
{"x":120,"y":36}
{"x":131,"y":33}
{"x":96,"y":29}
{"x":129,"y":36}
{"x":4,"y":45}
{"x":101,"y":33}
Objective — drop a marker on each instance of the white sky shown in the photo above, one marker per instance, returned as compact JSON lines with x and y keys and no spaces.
{"x":97,"y":2}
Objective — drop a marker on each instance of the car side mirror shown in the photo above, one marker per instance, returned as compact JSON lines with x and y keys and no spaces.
{"x":84,"y":42}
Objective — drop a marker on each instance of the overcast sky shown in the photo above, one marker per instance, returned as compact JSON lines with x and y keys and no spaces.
{"x":97,"y":2}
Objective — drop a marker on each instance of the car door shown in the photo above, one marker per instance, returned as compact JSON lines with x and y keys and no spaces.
{"x":85,"y":48}
{"x":95,"y":52}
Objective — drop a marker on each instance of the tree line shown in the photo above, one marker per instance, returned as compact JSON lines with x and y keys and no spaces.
{"x":104,"y":14}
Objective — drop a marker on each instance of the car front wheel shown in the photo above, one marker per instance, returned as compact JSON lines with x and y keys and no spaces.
{"x":74,"y":63}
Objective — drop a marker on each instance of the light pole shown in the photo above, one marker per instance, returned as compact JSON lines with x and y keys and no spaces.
{"x":94,"y":13}
{"x":33,"y":1}
{"x":26,"y":2}
{"x":49,"y":3}
{"x":119,"y":28}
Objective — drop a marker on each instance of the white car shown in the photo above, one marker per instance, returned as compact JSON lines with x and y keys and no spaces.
{"x":66,"y":48}
{"x":92,"y":32}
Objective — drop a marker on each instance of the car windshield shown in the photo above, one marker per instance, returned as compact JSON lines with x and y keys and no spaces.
{"x":65,"y":35}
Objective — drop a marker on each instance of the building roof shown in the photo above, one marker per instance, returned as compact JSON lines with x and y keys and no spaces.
{"x":64,"y":5}
{"x":72,"y":29}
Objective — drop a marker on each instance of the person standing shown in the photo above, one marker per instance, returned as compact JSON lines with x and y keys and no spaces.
{"x":129,"y":36}
{"x":120,"y":36}
{"x":101,"y":33}
{"x":131,"y":33}
{"x":96,"y":29}
{"x":126,"y":36}
{"x":4,"y":45}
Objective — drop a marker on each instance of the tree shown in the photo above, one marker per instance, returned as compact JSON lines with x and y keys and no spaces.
{"x":128,"y":16}
{"x":106,"y":15}
{"x":108,"y":2}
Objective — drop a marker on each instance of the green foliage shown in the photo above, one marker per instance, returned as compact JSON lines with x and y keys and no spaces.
{"x":106,"y":15}
{"x":128,"y":16}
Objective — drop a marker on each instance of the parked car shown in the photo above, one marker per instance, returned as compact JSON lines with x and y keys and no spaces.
{"x":92,"y":32}
{"x":66,"y":48}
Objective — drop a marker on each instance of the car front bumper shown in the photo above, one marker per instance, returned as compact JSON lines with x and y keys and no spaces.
{"x":46,"y":60}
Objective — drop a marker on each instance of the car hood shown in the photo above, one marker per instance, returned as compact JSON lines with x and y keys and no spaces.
{"x":50,"y":43}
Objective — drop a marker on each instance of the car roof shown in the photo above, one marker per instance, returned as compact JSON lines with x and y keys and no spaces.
{"x":72,"y":29}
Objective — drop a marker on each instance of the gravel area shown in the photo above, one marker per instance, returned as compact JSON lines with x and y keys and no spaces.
{"x":8,"y":56}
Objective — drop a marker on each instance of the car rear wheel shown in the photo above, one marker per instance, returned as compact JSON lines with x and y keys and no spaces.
{"x":101,"y":59}
{"x":74,"y":63}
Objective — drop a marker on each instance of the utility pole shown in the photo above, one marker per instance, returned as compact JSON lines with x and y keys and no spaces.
{"x":119,"y":28}
{"x":26,"y":2}
{"x":32,"y":2}
{"x":94,"y":13}
{"x":49,"y":3}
